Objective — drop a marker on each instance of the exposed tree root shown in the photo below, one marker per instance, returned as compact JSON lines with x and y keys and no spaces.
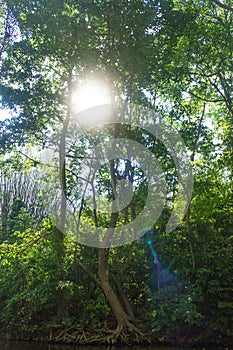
{"x":128,"y":334}
{"x":123,"y":334}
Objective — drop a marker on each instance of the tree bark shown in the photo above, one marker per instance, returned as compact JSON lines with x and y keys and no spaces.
{"x":124,"y":299}
{"x":62,"y":174}
{"x":118,"y":310}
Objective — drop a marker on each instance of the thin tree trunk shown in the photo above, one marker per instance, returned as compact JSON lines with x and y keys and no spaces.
{"x":60,"y":230}
{"x":117,"y":309}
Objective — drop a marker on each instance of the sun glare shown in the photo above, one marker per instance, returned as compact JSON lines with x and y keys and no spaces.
{"x":89,"y":95}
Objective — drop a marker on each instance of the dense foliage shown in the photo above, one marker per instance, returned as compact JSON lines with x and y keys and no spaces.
{"x":171,"y":57}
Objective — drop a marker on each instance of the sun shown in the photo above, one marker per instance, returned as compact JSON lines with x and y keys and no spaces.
{"x":90,"y":94}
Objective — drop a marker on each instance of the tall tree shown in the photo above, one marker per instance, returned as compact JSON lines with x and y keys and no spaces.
{"x":179,"y":52}
{"x":62,"y":41}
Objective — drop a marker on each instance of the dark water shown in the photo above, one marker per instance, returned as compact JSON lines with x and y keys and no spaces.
{"x":36,"y":346}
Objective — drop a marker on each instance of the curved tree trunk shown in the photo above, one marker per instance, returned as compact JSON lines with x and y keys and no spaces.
{"x":124,"y":321}
{"x":125,"y":329}
{"x":117,"y":309}
{"x":124,"y":300}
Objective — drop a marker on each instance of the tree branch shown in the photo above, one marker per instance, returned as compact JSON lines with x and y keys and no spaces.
{"x":89,"y":272}
{"x":205,"y":99}
{"x":35,"y":161}
{"x":222,"y":5}
{"x":198,"y":133}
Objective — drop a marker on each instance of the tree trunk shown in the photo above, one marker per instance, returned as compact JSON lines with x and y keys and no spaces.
{"x":117,"y":309}
{"x":125,"y":329}
{"x":62,"y":174}
{"x":124,"y":299}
